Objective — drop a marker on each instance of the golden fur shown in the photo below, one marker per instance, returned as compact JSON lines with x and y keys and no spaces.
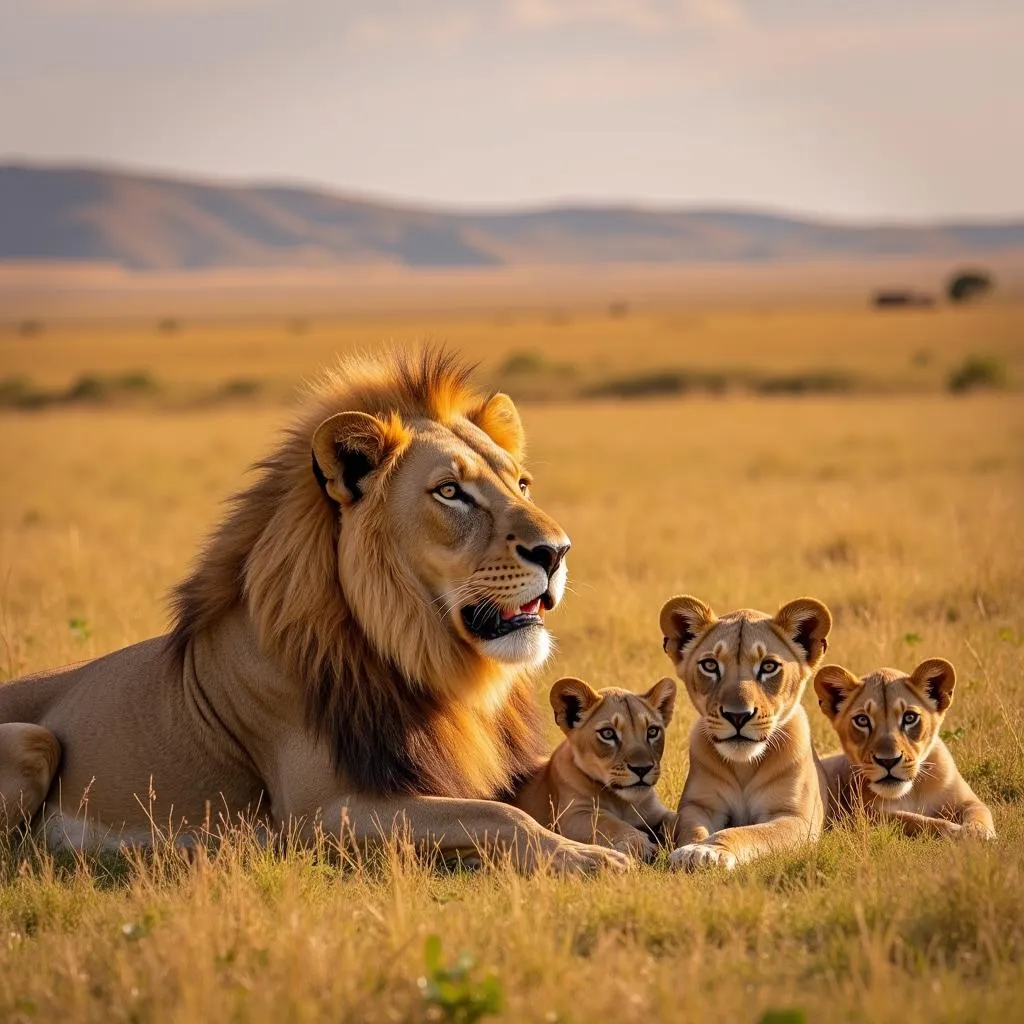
{"x":598,"y":787}
{"x":895,"y":765}
{"x":351,"y":646}
{"x":753,"y":785}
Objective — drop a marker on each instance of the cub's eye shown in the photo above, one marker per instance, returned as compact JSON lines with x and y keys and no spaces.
{"x":607,"y":733}
{"x":524,"y":486}
{"x":910,"y":718}
{"x":452,"y":492}
{"x":654,"y":732}
{"x":708,"y":665}
{"x":862,"y":720}
{"x":769,"y":667}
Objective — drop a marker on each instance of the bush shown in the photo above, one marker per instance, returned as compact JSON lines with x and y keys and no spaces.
{"x":968,"y":284}
{"x":977,"y":372}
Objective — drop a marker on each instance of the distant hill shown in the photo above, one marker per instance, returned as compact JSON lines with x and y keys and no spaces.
{"x":147,"y":222}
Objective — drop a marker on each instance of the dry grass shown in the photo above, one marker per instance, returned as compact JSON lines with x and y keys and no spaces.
{"x":902,"y":513}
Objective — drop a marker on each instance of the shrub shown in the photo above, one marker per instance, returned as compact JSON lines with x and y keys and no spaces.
{"x":977,"y":372}
{"x":968,"y":284}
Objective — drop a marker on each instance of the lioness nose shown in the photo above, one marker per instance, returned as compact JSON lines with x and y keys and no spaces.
{"x":888,"y":763}
{"x":549,"y":558}
{"x":640,"y":770}
{"x":738,"y":718}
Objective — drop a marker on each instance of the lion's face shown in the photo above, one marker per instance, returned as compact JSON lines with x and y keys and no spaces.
{"x":744,"y":672}
{"x":617,"y":737}
{"x":446,"y":512}
{"x":888,"y":721}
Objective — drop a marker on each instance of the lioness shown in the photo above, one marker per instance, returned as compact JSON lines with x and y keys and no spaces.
{"x":753,"y":784}
{"x":349,"y":652}
{"x":896,"y":766}
{"x":598,"y":786}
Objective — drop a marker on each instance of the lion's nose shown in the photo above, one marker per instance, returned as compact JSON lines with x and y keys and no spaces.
{"x":548,"y":557}
{"x":738,"y":718}
{"x":640,"y":770}
{"x":888,"y":763}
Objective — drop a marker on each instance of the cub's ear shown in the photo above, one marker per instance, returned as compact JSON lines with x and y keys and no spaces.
{"x":498,"y":417}
{"x":834,"y":686}
{"x":351,"y":445}
{"x":662,"y":695}
{"x":806,"y":623}
{"x":571,"y":699}
{"x":935,"y":679}
{"x":682,"y":620}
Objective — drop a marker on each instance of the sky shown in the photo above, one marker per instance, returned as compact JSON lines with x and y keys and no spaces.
{"x":852,"y":109}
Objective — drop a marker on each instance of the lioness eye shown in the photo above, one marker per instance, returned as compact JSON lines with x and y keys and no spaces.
{"x":769,"y":667}
{"x":607,"y":734}
{"x":654,"y":732}
{"x":709,"y":665}
{"x":862,"y":720}
{"x":910,"y":718}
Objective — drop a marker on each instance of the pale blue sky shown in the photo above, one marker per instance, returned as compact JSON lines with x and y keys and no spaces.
{"x":851,"y":108}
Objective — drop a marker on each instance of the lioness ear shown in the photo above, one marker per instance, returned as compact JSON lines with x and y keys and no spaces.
{"x":349,"y":446}
{"x":682,"y":620}
{"x":806,"y":623}
{"x":662,"y":695}
{"x":834,"y":685}
{"x":571,"y":698}
{"x":499,"y":419}
{"x":935,"y":679}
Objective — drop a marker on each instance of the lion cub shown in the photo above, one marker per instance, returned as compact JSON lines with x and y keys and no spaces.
{"x":598,"y":786}
{"x":753,"y":784}
{"x":896,"y":766}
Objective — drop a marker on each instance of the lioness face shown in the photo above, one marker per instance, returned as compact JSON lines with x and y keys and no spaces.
{"x":744,"y":672}
{"x":617,"y":737}
{"x":463,"y":535}
{"x":888,"y":721}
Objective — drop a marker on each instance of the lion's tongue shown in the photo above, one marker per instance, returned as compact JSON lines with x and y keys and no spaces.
{"x":530,"y":608}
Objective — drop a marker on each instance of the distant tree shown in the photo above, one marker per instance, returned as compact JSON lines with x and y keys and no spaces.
{"x":965,"y":285}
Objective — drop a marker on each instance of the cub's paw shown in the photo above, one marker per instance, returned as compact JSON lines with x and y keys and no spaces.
{"x":976,"y":830}
{"x":696,"y":856}
{"x":637,"y":845}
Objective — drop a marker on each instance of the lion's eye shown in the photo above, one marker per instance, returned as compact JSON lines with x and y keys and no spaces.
{"x":708,"y":665}
{"x":910,"y":718}
{"x":524,"y":486}
{"x":607,"y":733}
{"x":654,"y":732}
{"x":452,"y":492}
{"x":769,"y":667}
{"x":862,"y":720}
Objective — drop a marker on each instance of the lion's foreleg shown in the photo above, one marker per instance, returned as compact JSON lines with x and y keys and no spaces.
{"x":29,"y":755}
{"x":462,"y":828}
{"x":732,"y":846}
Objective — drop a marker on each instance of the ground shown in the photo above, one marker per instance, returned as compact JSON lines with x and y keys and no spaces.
{"x":889,"y":498}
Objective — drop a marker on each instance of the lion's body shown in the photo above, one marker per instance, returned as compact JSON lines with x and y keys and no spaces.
{"x":588,"y":790}
{"x":337,"y":652}
{"x":754,"y":784}
{"x":894,"y":767}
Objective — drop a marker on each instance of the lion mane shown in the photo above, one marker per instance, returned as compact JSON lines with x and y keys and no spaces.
{"x":404,"y":706}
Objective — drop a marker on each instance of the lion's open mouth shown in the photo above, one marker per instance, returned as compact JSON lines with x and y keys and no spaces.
{"x":486,"y":621}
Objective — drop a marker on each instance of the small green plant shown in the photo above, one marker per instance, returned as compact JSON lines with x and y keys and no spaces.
{"x":791,"y":1016}
{"x":450,"y":992}
{"x":977,"y":372}
{"x":523,"y":362}
{"x":912,"y":639}
{"x":79,"y":628}
{"x":952,"y":734}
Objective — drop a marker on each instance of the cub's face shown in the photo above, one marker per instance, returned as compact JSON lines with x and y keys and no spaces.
{"x":744,"y":672}
{"x":888,"y":721}
{"x":617,"y":737}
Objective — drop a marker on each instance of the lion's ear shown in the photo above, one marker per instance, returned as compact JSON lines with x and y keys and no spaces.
{"x":662,"y":695}
{"x":935,"y":679}
{"x":571,"y":699}
{"x":348,"y":447}
{"x":682,"y":620}
{"x":834,"y":685}
{"x":806,"y":623}
{"x":499,"y":419}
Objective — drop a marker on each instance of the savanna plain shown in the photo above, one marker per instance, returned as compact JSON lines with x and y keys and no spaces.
{"x":748,"y":456}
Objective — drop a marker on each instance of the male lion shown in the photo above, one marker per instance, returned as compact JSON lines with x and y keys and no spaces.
{"x":754,"y":784}
{"x":896,"y":766}
{"x":350,"y":649}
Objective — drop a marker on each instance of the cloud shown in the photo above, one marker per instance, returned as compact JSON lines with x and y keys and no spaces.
{"x":638,"y":16}
{"x":143,"y":7}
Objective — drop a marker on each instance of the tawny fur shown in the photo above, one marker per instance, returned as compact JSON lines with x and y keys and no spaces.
{"x":754,"y":788}
{"x":318,"y":669}
{"x":898,"y":717}
{"x":590,"y":790}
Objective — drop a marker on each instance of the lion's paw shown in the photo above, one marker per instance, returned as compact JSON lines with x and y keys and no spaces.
{"x":637,"y":845}
{"x":695,"y":856}
{"x":571,"y":858}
